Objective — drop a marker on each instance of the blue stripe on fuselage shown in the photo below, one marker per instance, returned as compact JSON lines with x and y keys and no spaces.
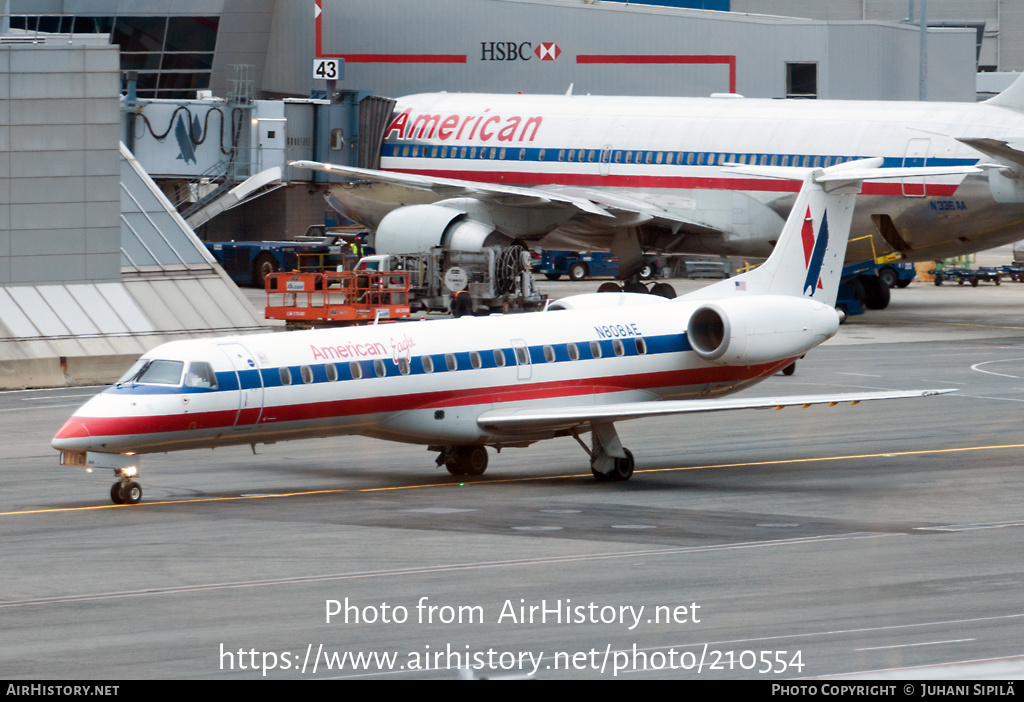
{"x":228,"y":381}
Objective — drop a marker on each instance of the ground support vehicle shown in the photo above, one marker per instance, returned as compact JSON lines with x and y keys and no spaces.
{"x":580,"y":266}
{"x":495,"y":279}
{"x":967,"y":275}
{"x":860,"y":286}
{"x":897,"y":275}
{"x":1014,"y":272}
{"x":250,"y":262}
{"x":329,"y":298}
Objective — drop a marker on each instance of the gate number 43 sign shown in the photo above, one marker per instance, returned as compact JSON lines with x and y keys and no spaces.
{"x":328,"y":69}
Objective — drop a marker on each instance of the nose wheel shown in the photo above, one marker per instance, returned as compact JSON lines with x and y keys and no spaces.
{"x":126,"y":491}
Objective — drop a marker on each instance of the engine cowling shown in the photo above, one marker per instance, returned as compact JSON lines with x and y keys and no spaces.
{"x":417,"y":228}
{"x":750,"y":331}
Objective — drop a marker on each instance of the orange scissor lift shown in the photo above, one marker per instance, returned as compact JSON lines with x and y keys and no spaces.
{"x":327,"y":298}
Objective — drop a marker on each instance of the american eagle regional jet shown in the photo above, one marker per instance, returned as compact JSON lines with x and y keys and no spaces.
{"x":461,"y":385}
{"x":642,"y":175}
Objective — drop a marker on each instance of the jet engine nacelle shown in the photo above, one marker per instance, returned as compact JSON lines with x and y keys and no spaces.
{"x":418,"y":228}
{"x":761,"y":329}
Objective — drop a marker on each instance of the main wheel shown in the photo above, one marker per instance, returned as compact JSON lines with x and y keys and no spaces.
{"x":608,"y":287}
{"x":466,"y":460}
{"x":623,"y":467}
{"x":475,"y":460}
{"x":552,"y":276}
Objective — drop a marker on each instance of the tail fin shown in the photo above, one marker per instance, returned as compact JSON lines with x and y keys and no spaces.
{"x":808,"y":258}
{"x":1011,"y":98}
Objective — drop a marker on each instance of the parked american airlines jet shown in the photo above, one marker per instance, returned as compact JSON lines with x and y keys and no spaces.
{"x":634,"y":174}
{"x":461,"y":385}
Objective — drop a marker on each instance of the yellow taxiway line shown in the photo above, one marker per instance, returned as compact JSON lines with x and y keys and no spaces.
{"x":748,"y":464}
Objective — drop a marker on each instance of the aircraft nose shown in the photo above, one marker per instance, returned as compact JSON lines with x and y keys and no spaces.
{"x":74,"y":435}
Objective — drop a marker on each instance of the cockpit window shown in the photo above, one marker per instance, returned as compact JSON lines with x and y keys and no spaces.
{"x":133,"y":371}
{"x":157,"y":372}
{"x":200,"y":375}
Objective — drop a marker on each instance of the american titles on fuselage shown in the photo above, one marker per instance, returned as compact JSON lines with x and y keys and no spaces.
{"x":400,"y":348}
{"x":487,"y":126}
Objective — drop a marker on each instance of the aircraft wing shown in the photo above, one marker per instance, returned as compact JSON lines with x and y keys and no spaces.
{"x":453,"y":187}
{"x":528,"y":420}
{"x":615,"y":210}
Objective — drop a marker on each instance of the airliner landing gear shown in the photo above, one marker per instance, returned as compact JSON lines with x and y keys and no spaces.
{"x":622,"y":468}
{"x":126,"y":468}
{"x":125,"y":491}
{"x":609,"y":459}
{"x":464,"y":460}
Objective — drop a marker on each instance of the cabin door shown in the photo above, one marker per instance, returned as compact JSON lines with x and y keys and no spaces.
{"x":250,"y":383}
{"x":524,"y":369}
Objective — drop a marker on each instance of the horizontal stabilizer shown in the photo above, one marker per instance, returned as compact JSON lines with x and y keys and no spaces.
{"x":998,"y":148}
{"x":558,"y":418}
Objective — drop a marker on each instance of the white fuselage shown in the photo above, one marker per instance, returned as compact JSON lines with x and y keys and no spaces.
{"x":425,"y":382}
{"x":666,"y":153}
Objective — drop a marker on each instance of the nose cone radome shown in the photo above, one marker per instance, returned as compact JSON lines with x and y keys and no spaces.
{"x":74,"y":435}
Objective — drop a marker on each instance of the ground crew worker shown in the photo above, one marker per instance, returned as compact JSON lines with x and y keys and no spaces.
{"x":462,"y":304}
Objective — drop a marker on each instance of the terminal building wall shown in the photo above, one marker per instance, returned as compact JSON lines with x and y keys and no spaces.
{"x":611,"y":48}
{"x":1001,"y":21}
{"x":59,"y":166}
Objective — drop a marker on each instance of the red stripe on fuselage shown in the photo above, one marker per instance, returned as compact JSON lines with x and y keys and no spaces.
{"x":653,"y":182}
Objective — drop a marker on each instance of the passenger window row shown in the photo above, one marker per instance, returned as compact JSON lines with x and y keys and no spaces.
{"x":629,"y":156}
{"x":497,"y":358}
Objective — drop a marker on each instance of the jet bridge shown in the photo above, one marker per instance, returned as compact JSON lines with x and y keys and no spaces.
{"x":214,"y":154}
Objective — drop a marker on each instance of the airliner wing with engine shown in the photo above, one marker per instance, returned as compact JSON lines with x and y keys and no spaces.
{"x":639,"y":175}
{"x":461,"y":385}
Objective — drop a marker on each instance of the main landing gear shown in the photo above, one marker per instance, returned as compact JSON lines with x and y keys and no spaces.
{"x":464,"y":460}
{"x":610,"y":461}
{"x":660,"y":289}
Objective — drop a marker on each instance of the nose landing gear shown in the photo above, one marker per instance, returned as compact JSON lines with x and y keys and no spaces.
{"x":126,"y":491}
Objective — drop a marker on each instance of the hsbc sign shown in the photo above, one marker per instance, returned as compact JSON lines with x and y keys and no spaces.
{"x":518,"y":51}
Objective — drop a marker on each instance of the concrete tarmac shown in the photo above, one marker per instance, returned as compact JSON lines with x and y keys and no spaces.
{"x":881,"y":540}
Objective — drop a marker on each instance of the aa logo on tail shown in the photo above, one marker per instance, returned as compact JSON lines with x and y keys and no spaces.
{"x":814,"y":251}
